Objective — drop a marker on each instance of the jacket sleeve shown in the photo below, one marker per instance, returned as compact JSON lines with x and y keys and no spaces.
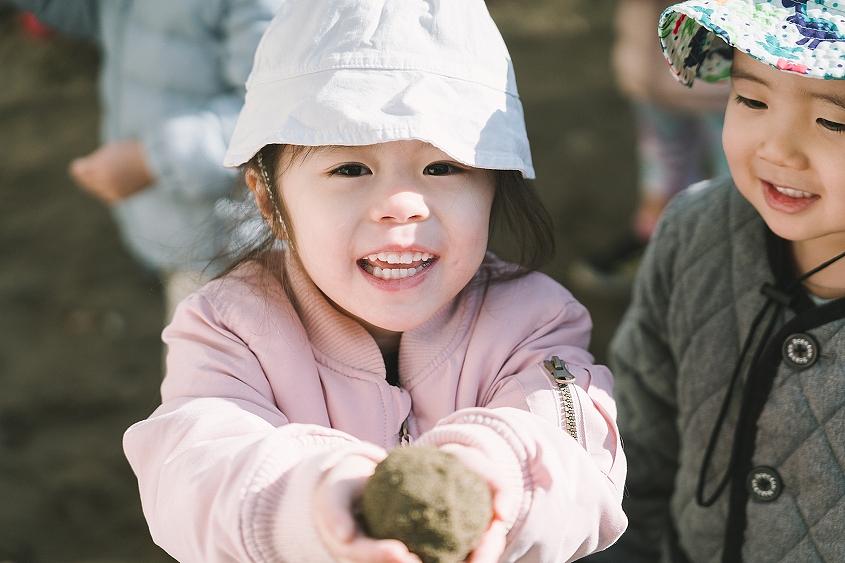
{"x":222,"y":474}
{"x":565,"y":491}
{"x":646,"y":373}
{"x":74,"y":17}
{"x":185,"y":151}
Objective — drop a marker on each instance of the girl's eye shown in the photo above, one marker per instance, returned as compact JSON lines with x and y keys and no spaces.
{"x":350,"y":170}
{"x":749,"y":103}
{"x":831,"y":125}
{"x":440,"y":169}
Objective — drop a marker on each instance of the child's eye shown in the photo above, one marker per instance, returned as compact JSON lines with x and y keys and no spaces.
{"x":748,"y":102}
{"x":831,"y":125}
{"x":441,"y":169}
{"x":350,"y":170}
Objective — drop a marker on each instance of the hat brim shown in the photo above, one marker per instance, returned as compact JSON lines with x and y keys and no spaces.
{"x":476,"y":125}
{"x":803,"y":37}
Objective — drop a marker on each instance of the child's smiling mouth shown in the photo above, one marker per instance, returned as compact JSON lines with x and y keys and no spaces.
{"x":396,"y":265}
{"x":787,"y":199}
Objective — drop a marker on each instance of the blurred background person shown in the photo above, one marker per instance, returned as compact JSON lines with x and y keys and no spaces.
{"x":81,"y":349}
{"x":678,"y":138}
{"x":171,"y":86}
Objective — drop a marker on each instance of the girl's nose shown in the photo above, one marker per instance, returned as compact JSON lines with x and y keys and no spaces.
{"x":400,"y":206}
{"x":782,"y":146}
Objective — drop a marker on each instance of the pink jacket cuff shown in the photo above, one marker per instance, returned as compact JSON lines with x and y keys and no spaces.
{"x":278,"y":514}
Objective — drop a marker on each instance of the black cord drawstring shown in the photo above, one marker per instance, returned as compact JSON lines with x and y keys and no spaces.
{"x":720,"y":419}
{"x":779,"y":298}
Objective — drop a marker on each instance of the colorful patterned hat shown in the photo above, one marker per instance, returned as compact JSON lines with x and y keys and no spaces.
{"x":805,"y":36}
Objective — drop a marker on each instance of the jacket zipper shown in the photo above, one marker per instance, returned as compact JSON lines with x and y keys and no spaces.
{"x":405,"y":436}
{"x":562,"y":378}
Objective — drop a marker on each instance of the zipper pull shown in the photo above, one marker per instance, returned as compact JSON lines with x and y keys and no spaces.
{"x":557,"y":368}
{"x":404,"y":435}
{"x":562,"y":377}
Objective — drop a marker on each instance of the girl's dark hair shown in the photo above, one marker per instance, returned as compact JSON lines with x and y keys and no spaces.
{"x":517,"y":216}
{"x":520,"y":216}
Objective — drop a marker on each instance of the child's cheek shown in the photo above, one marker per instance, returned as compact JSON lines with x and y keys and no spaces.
{"x":738,"y":149}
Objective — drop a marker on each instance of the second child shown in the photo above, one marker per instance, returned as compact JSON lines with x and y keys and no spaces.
{"x":730,"y":360}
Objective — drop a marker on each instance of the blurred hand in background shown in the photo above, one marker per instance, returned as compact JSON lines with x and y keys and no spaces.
{"x":112,"y":172}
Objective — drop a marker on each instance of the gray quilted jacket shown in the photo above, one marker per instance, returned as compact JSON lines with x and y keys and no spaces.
{"x":696,"y":295}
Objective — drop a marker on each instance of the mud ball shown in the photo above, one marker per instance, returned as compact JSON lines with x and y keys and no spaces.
{"x":428,"y":500}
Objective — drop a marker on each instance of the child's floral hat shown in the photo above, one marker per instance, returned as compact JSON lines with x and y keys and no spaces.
{"x":805,"y":36}
{"x":360,"y":72}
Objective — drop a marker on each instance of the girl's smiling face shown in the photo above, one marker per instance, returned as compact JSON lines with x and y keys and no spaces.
{"x":389,"y":232}
{"x":784,"y":138}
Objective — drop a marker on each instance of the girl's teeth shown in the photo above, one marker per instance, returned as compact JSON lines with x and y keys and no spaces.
{"x":793,"y":193}
{"x":395,"y":273}
{"x":399,"y":257}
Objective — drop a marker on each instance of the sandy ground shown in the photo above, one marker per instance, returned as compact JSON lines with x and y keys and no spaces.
{"x":80,"y":354}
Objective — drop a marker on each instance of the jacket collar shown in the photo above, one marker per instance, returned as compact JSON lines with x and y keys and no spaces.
{"x":783,"y":269}
{"x":343,"y":344}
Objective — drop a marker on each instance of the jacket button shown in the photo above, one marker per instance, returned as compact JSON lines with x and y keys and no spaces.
{"x":764,"y":484}
{"x":800,"y":350}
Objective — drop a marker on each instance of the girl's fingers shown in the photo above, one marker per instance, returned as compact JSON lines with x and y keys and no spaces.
{"x":334,"y":512}
{"x":366,"y":550}
{"x":349,"y":545}
{"x":334,"y":508}
{"x":492,"y":544}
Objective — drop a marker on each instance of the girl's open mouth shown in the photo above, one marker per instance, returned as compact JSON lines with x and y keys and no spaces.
{"x":786,"y":199}
{"x":396,"y":265}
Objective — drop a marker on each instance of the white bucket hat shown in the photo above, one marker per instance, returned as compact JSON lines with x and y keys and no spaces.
{"x":360,"y":72}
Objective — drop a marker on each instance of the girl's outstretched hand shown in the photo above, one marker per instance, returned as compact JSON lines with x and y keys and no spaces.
{"x":492,"y":543}
{"x":334,"y":500}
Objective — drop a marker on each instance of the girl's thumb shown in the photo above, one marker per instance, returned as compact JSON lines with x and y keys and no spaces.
{"x":344,"y":529}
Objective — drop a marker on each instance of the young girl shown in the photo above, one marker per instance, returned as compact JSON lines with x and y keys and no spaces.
{"x":730,"y":361}
{"x":378,"y":137}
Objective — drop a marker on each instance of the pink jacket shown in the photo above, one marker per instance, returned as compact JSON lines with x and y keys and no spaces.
{"x":260,"y":399}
